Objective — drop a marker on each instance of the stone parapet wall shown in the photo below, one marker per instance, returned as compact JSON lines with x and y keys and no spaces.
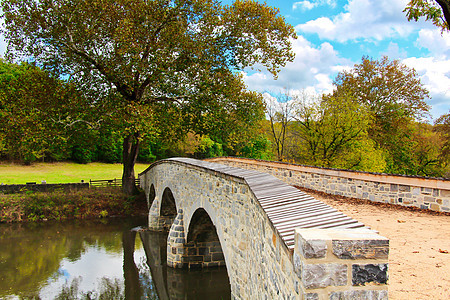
{"x":420,"y":192}
{"x":341,"y":264}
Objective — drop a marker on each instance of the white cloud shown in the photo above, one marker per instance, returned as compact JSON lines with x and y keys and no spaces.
{"x":308,"y":5}
{"x":304,"y":5}
{"x":435,"y":75}
{"x":363,"y":19}
{"x":313,"y":70}
{"x":393,"y":51}
{"x":437,"y":44}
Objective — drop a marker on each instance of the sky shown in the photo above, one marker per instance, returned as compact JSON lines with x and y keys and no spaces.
{"x":334,"y":35}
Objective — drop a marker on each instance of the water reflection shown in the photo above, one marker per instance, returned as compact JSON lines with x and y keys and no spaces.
{"x":182,"y":284}
{"x":96,"y":260}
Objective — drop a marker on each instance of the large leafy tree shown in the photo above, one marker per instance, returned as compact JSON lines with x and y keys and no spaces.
{"x":395,"y":97}
{"x":436,"y":11}
{"x":174,"y":53}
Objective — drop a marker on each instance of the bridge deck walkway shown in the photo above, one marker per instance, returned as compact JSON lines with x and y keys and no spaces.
{"x":286,"y":206}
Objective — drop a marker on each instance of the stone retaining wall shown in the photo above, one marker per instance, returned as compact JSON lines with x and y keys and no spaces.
{"x":421,"y":192}
{"x":46,"y":187}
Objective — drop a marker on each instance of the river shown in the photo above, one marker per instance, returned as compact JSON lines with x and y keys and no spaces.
{"x":97,"y":259}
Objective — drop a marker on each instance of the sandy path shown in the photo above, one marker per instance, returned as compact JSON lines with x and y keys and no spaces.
{"x":418,"y":266}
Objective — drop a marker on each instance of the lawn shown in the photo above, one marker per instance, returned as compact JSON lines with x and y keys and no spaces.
{"x":62,"y":172}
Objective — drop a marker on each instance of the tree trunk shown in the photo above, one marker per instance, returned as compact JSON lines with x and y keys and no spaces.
{"x":445,"y":5}
{"x":130,"y":153}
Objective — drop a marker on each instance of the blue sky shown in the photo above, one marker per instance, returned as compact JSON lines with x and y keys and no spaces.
{"x":333,"y":35}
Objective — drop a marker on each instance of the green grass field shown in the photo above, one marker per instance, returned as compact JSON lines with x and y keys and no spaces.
{"x":62,"y":172}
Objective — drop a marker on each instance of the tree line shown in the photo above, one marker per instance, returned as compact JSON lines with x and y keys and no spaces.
{"x":374,"y":120}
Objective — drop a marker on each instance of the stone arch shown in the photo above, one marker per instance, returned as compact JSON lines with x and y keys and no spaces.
{"x":203,"y":241}
{"x":168,"y":209}
{"x":201,"y":248}
{"x":168,"y":205}
{"x":201,"y":228}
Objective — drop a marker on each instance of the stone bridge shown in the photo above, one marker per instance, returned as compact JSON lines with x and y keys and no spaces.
{"x":275,"y":241}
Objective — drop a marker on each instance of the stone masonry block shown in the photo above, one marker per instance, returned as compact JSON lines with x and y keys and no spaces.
{"x":311,"y":296}
{"x":310,"y":248}
{"x":361,"y":248}
{"x":297,"y":264}
{"x":359,"y":243}
{"x":361,"y":294}
{"x":445,"y":193}
{"x":323,"y":275}
{"x":362,"y":274}
{"x":404,"y":188}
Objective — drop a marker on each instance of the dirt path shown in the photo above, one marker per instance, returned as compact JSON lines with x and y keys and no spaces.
{"x":419,"y":257}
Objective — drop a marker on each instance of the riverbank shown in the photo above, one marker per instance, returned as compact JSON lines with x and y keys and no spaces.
{"x":60,"y":205}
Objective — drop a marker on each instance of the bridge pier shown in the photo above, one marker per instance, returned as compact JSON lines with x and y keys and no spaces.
{"x":175,"y":243}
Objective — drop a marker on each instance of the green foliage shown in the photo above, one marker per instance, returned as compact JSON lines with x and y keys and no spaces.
{"x":395,"y":99}
{"x":436,"y":11}
{"x":208,"y":148}
{"x":155,"y":65}
{"x":35,"y":110}
{"x":371,"y":122}
{"x":442,"y":128}
{"x":389,"y":89}
{"x":334,"y":133}
{"x":258,"y":147}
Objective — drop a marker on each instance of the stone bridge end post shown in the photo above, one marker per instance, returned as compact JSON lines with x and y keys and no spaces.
{"x":341,"y":263}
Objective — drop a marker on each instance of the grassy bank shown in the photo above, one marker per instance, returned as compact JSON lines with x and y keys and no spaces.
{"x":88,"y":203}
{"x":61,"y":172}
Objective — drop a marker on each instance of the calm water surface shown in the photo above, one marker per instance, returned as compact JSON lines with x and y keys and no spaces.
{"x":101,"y":259}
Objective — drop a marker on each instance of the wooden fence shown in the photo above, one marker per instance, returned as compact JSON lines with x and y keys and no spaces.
{"x":116,"y":182}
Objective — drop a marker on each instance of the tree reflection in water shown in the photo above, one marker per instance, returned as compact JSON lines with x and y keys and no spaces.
{"x":48,"y":261}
